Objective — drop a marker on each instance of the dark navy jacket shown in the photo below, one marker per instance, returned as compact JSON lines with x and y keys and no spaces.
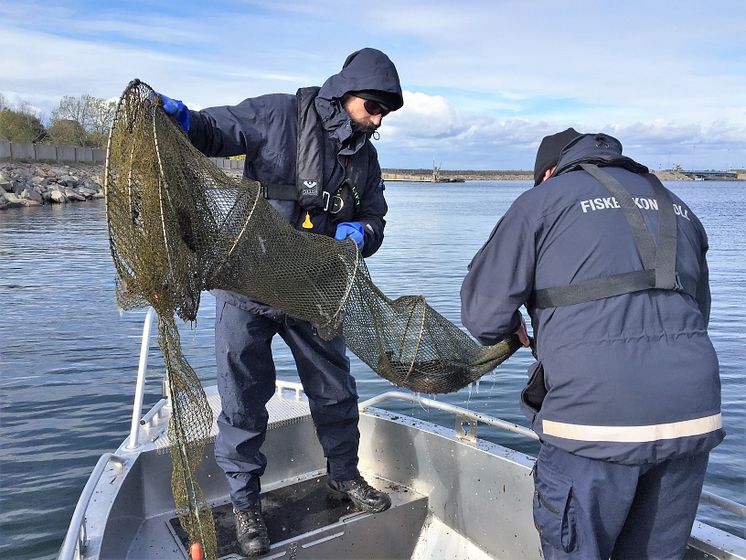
{"x":631,"y":378}
{"x":265,"y":129}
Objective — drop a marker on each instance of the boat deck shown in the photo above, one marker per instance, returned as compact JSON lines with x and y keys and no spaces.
{"x":302,"y":516}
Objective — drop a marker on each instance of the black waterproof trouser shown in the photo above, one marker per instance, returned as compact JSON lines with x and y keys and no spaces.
{"x":246,"y":382}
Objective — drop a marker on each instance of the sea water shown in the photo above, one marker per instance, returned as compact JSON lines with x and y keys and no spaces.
{"x":68,"y":359}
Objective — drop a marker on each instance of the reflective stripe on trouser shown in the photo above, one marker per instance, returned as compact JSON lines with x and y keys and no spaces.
{"x":585,"y":508}
{"x":246,"y":382}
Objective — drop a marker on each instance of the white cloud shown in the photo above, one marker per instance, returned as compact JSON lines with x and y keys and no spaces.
{"x":430,"y":128}
{"x":484,"y":81}
{"x":424,"y":117}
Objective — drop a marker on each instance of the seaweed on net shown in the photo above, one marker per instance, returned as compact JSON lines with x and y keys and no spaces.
{"x":178,"y":226}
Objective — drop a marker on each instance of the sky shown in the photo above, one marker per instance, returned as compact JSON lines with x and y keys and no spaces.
{"x":483,"y":81}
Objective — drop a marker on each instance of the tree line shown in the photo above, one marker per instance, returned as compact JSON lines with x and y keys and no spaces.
{"x":77,"y":121}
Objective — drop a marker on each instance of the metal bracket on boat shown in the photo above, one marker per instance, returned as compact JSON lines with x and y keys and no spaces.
{"x":466,"y":429}
{"x":153,"y":414}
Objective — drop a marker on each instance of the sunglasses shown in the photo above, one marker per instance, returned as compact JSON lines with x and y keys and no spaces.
{"x":374,"y":108}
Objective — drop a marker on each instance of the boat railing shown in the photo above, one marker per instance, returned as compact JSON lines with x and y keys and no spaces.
{"x":76,"y":533}
{"x":142,"y":369}
{"x":75,"y":538}
{"x":293,"y":386}
{"x":466,"y":423}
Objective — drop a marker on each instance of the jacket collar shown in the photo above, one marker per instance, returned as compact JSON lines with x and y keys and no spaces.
{"x":599,"y":149}
{"x":338,"y":125}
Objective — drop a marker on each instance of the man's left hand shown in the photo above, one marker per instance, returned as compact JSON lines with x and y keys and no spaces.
{"x":351,"y":229}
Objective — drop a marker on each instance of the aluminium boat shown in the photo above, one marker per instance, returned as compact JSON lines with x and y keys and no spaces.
{"x":454,"y":495}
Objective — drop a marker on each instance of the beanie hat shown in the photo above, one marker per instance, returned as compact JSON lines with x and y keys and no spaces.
{"x":549,"y":151}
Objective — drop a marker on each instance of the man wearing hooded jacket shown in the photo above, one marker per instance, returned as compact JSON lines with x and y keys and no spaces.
{"x":312,"y":153}
{"x":625,"y":395}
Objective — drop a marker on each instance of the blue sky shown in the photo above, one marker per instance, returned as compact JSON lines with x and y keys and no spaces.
{"x":483,"y":81}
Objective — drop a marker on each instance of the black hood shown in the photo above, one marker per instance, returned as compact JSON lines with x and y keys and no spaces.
{"x":366,"y":69}
{"x":599,"y":149}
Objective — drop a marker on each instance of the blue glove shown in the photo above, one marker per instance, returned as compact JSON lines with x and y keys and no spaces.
{"x":176,"y":109}
{"x":351,"y":229}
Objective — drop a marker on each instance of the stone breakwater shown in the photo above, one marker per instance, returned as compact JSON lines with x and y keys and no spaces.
{"x":35,"y":184}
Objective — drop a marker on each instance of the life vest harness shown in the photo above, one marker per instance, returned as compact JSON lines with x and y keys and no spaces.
{"x":308,"y":190}
{"x":659,"y":264}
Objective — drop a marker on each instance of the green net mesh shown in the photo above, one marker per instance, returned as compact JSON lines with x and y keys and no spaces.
{"x":178,"y":225}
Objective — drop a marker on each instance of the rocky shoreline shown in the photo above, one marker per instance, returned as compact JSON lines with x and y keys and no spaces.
{"x":35,"y":184}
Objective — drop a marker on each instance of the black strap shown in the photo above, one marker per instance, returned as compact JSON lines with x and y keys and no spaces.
{"x":665,"y":256}
{"x":659,"y":265}
{"x":309,"y":154}
{"x":643,"y":240}
{"x":595,"y":289}
{"x":307,"y":190}
{"x":279,"y":192}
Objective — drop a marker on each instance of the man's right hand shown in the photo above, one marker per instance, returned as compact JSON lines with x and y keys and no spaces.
{"x":522,"y":334}
{"x":176,"y":109}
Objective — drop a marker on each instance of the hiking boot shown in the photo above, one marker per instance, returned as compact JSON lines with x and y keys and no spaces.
{"x":361,"y":493}
{"x":251,"y":531}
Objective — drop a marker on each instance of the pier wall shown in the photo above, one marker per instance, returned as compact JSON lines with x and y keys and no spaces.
{"x":47,"y":152}
{"x":447,"y":175}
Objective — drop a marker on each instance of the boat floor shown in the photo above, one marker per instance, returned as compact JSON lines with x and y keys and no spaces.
{"x":305,"y":520}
